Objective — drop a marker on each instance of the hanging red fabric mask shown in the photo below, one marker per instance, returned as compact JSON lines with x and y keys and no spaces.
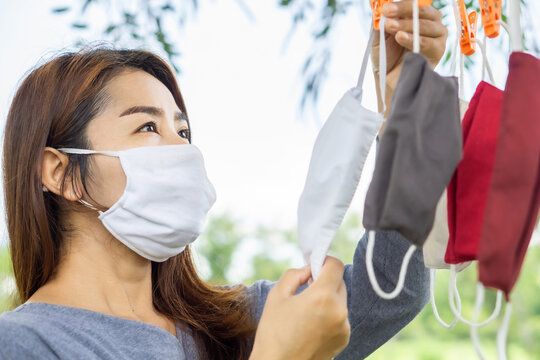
{"x":468,"y":189}
{"x":514,"y":193}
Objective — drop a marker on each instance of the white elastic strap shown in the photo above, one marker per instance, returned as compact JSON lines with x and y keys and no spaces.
{"x":483,"y":49}
{"x":87,"y":151}
{"x":456,"y":42}
{"x":505,"y":26}
{"x":462,"y":75}
{"x":493,"y":316}
{"x":87,"y":204}
{"x":371,"y":271}
{"x":365,"y":59}
{"x":480,"y":296}
{"x":514,"y":12}
{"x":507,"y":29}
{"x":485,"y":63}
{"x":502,"y":333}
{"x":382,"y":62}
{"x":416,"y":28}
{"x":432,"y":273}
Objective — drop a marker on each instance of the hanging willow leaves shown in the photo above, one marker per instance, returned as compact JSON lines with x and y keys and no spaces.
{"x":129,"y":29}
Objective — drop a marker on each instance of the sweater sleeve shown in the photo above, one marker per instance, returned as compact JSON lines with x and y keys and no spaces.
{"x":373,"y":320}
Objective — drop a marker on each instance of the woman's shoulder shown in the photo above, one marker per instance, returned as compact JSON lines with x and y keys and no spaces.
{"x":18,"y":336}
{"x":43,"y":331}
{"x":16,"y":321}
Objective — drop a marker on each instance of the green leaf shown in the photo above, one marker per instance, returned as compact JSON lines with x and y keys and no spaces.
{"x":85,"y":6}
{"x":60,"y":10}
{"x":110,"y":29}
{"x":79,"y":26}
{"x":129,"y":18}
{"x":167,"y":7}
{"x":323,"y":32}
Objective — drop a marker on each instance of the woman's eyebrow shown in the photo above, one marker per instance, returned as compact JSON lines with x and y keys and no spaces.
{"x":152,"y":110}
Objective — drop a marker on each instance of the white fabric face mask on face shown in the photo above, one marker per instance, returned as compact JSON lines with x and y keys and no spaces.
{"x":338,"y":157}
{"x":165,"y":202}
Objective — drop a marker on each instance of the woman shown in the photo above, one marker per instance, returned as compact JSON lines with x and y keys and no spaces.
{"x":99,"y":168}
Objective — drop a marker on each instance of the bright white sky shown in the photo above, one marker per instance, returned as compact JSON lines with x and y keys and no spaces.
{"x":241,"y":89}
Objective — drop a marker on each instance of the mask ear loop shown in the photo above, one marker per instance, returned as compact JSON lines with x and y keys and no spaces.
{"x":480,"y":296}
{"x":88,"y":205}
{"x":451,"y":285}
{"x":485,"y":62}
{"x":382,"y":62}
{"x":371,"y":271}
{"x":462,"y":75}
{"x":455,"y":51}
{"x":88,"y":152}
{"x":363,"y":69}
{"x":483,"y":49}
{"x":506,"y":28}
{"x":432,"y":273}
{"x":514,"y":12}
{"x":416,"y":28}
{"x":502,"y":333}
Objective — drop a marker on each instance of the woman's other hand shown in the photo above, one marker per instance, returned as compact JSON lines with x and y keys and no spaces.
{"x":312,"y":325}
{"x":399,"y":35}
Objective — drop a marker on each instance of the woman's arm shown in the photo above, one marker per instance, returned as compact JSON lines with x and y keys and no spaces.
{"x":375,"y":320}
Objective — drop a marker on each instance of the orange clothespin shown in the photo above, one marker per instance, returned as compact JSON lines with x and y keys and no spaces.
{"x":468,"y":29}
{"x":491,"y":14}
{"x":376,"y":7}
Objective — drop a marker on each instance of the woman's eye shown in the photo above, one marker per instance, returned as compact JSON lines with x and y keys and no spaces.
{"x":150,"y":127}
{"x":185,"y":133}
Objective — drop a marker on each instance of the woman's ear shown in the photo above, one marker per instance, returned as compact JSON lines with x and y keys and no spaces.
{"x":52,"y":174}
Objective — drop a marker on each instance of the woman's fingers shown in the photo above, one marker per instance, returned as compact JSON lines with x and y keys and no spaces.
{"x":429,"y":46}
{"x":403,"y":9}
{"x":428,"y":28}
{"x":331,"y":276}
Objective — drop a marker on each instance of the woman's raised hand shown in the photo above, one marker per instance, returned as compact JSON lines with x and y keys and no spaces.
{"x":312,"y":325}
{"x":399,"y":34}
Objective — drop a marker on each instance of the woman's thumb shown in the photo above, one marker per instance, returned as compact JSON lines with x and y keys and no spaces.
{"x":292,"y":279}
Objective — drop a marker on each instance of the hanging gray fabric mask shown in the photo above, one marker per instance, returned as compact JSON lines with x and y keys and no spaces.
{"x":418,"y":153}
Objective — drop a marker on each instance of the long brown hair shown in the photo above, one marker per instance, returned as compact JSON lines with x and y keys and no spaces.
{"x":53,"y":107}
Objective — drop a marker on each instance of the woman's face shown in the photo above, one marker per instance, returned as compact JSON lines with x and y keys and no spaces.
{"x":141,"y":112}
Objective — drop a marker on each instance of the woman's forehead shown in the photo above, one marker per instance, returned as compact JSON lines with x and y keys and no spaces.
{"x":137,"y":88}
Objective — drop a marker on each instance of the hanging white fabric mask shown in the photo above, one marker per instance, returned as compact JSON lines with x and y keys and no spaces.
{"x":338,"y":157}
{"x":165,"y":202}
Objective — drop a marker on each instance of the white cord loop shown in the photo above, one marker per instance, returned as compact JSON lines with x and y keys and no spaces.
{"x":416,"y":27}
{"x":451,"y":285}
{"x":371,"y":272}
{"x":480,"y":296}
{"x":502,"y":333}
{"x":432,"y":273}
